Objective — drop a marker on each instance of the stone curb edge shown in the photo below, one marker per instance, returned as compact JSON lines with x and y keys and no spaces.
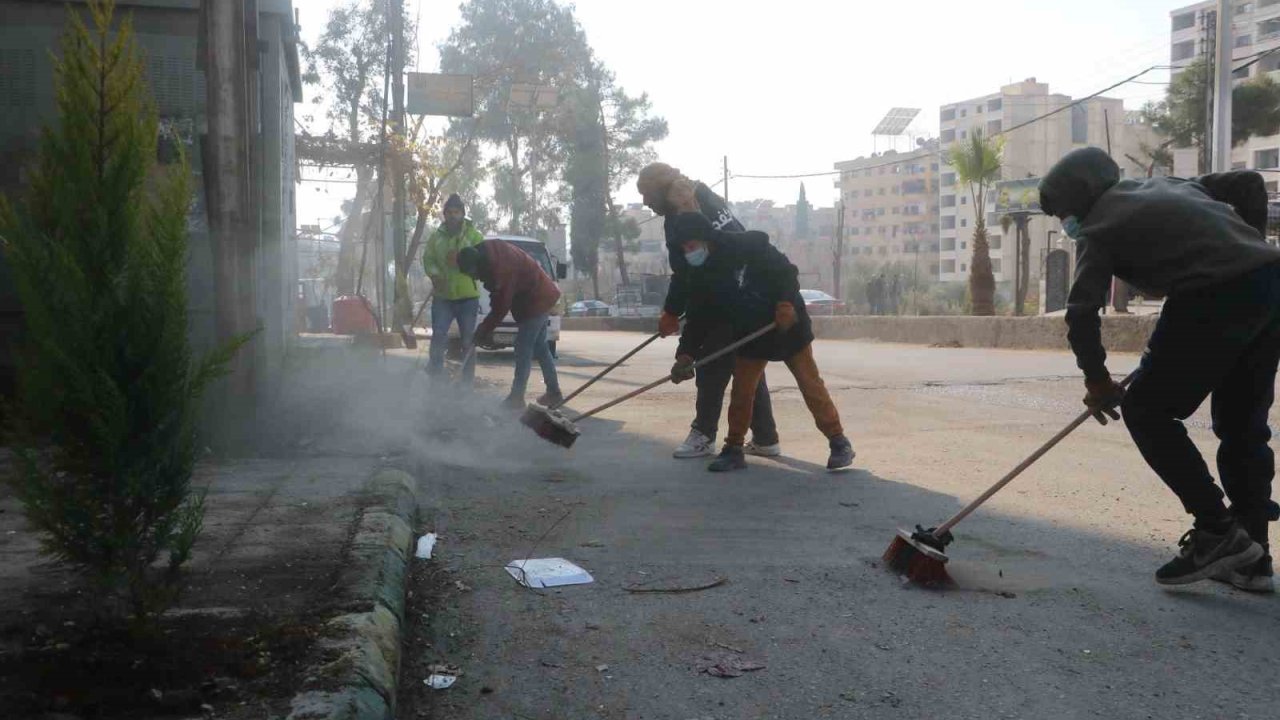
{"x":360,"y":650}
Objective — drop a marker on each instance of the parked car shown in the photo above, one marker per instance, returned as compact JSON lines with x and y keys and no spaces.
{"x":820,"y":303}
{"x":589,"y":308}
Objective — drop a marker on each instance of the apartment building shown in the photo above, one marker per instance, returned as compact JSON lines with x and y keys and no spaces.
{"x":891,"y":206}
{"x":1256,"y":28}
{"x":1032,"y":144}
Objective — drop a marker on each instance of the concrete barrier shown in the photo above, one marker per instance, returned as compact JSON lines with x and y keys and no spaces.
{"x":1121,"y":333}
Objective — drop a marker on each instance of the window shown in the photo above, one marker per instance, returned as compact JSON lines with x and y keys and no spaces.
{"x":1244,"y":40}
{"x":1272,"y":186}
{"x":1239,"y":165}
{"x":880,"y":192}
{"x":1244,"y":8}
{"x":879,"y":211}
{"x":17,"y":78}
{"x":948,"y":201}
{"x":964,"y":222}
{"x":1186,"y":49}
{"x":964,"y":245}
{"x":1266,"y":29}
{"x":895,"y":189}
{"x":964,"y":113}
{"x":948,"y":114}
{"x":948,"y":136}
{"x":948,"y":222}
{"x":964,"y":200}
{"x":994,"y":240}
{"x":948,"y":266}
{"x":994,"y":127}
{"x":934,"y":167}
{"x":1240,"y":73}
{"x":996,"y":104}
{"x":964,"y":134}
{"x":995,"y":265}
{"x":1267,"y":159}
{"x":978,"y":110}
{"x":1184,"y":21}
{"x":948,"y":179}
{"x":948,"y":244}
{"x":1079,"y":124}
{"x":964,"y":268}
{"x":895,"y":230}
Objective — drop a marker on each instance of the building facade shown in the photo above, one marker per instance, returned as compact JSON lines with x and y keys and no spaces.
{"x":168,"y":33}
{"x":1032,"y":144}
{"x":891,"y":212}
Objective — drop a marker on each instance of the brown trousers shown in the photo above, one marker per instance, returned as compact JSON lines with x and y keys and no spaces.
{"x":746,"y":376}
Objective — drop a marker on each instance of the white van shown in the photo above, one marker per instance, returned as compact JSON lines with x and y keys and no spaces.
{"x":505,"y":335}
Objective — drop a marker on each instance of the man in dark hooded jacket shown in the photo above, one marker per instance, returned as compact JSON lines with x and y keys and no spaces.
{"x":1218,"y":334}
{"x":747,"y":283}
{"x":668,"y":193}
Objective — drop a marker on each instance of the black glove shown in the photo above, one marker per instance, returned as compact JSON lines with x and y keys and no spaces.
{"x":682,"y":370}
{"x":1103,"y":398}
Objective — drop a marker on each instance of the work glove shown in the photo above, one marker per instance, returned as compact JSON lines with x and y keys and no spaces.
{"x":682,"y":370}
{"x":668,"y":324}
{"x":784,"y":314}
{"x":1103,"y":398}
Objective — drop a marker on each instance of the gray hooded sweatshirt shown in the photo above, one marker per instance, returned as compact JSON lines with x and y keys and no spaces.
{"x":1164,"y":236}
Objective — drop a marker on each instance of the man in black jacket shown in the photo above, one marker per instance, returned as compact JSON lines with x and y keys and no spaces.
{"x":747,"y":283}
{"x":668,"y":193}
{"x":1218,"y":334}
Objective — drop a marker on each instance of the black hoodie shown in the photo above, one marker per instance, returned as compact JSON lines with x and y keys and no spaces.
{"x":1163,"y":236}
{"x":717,"y":211}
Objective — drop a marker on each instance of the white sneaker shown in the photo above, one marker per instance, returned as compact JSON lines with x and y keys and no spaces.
{"x":754,"y":448}
{"x":695,"y":446}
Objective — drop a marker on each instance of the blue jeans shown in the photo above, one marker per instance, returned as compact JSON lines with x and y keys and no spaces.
{"x":531,"y":342}
{"x":443,"y":313}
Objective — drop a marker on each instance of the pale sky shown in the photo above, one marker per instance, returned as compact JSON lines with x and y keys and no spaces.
{"x":799,"y":87}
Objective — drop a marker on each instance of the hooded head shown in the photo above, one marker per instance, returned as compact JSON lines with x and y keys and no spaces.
{"x":696,"y":236}
{"x":454,"y":213}
{"x":654,"y":185}
{"x":472,"y":261}
{"x":1075,"y":183}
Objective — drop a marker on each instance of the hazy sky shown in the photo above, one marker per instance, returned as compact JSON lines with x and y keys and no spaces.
{"x":800,"y":86}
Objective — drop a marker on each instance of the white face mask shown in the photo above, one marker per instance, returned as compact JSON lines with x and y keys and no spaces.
{"x":696,"y":258}
{"x":1071,"y":226}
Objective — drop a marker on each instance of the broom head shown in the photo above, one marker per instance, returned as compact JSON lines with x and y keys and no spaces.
{"x":410,"y":340}
{"x":549,"y":425}
{"x":921,"y":561}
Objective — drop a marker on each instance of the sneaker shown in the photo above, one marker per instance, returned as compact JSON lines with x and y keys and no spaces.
{"x":731,"y":458}
{"x":695,"y":446}
{"x":754,"y":448}
{"x":1204,"y":554}
{"x":1258,"y":577}
{"x":550,"y":399}
{"x":842,"y":453}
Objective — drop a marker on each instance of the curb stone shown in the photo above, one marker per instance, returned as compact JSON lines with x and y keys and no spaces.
{"x":361,"y":648}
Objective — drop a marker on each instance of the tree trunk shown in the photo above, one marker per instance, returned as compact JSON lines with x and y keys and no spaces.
{"x":517,"y":181}
{"x":348,"y":252}
{"x":1024,"y":243}
{"x":982,"y":283}
{"x":595,"y":281}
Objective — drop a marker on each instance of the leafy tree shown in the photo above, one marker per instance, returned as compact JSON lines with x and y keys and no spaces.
{"x":1181,"y":116}
{"x":977,"y":162}
{"x":104,"y":423}
{"x":1153,"y":157}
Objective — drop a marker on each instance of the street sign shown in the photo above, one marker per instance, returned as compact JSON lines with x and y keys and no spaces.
{"x":440,"y":94}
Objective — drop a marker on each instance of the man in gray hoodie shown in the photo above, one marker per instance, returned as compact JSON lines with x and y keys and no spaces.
{"x":1218,"y":334}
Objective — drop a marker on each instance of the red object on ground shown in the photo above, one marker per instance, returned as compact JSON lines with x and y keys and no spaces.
{"x":352,"y":316}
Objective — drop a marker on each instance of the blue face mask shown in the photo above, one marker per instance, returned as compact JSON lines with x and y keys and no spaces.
{"x":1071,"y":226}
{"x":696,"y":258}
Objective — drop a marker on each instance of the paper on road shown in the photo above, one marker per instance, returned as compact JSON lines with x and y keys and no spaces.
{"x":547,"y":572}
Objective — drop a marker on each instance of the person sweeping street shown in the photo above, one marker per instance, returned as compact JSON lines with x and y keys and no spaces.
{"x":516,"y":284}
{"x":1198,"y":244}
{"x":668,"y":192}
{"x":756,"y":284}
{"x":455,"y":295}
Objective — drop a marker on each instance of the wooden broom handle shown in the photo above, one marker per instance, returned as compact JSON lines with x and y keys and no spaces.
{"x":662,"y":381}
{"x":606,"y":371}
{"x":1031,"y":459}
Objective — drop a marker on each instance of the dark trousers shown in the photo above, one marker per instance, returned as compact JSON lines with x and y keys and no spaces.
{"x":713,"y":382}
{"x":1222,"y":341}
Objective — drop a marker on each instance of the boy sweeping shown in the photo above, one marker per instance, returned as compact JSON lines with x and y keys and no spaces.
{"x":1218,"y":334}
{"x":748,"y":283}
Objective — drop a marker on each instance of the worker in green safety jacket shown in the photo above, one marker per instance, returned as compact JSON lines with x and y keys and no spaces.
{"x":456,"y":296}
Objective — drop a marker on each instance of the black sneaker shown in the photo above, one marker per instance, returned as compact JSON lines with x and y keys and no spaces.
{"x":730,"y":458}
{"x":1204,"y":554}
{"x":1258,"y":577}
{"x":842,"y":453}
{"x":550,"y":399}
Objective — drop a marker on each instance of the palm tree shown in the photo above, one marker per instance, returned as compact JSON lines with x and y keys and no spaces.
{"x":977,"y":163}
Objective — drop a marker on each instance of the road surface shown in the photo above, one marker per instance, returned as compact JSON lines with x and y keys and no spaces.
{"x":1057,"y":615}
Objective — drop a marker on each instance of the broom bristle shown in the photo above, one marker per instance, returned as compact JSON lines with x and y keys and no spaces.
{"x":549,"y":426}
{"x":905,"y":558}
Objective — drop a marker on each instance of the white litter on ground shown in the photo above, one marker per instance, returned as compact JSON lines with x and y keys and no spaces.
{"x":426,"y":544}
{"x":547,"y":572}
{"x":441,"y":682}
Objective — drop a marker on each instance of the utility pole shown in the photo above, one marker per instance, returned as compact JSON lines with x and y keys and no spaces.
{"x":226,"y":180}
{"x":839,"y":254}
{"x":403,"y":309}
{"x":1208,"y":21}
{"x":1222,"y":91}
{"x":726,"y":179}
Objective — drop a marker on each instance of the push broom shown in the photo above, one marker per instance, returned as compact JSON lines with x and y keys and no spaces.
{"x":534,"y":411}
{"x":556,"y":428}
{"x":921,"y":556}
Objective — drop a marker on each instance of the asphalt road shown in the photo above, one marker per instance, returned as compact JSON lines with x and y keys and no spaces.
{"x":1057,"y":615}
